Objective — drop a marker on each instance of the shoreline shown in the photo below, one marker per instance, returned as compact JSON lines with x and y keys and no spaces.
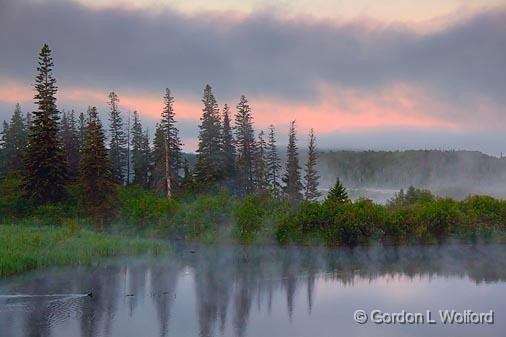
{"x":25,"y":248}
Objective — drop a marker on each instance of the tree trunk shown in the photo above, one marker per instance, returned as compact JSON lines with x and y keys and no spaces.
{"x":167,"y":170}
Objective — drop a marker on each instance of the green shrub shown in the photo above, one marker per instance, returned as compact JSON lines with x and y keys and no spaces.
{"x":207,"y":213}
{"x":248,"y":217}
{"x":287,"y":229}
{"x":12,"y":202}
{"x":144,"y":208}
{"x":399,"y":225}
{"x":356,"y":223}
{"x":484,"y":210}
{"x":311,"y":216}
{"x":50,"y":214}
{"x":412,"y":196}
{"x":437,"y":219}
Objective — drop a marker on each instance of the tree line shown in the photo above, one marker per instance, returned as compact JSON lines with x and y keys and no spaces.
{"x":48,"y":150}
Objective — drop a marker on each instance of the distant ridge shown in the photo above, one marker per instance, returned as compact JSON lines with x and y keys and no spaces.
{"x":456,"y":172}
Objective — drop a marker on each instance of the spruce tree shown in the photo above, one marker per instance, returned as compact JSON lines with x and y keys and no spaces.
{"x":136,"y":142}
{"x":159,"y":178}
{"x":245,"y":146}
{"x":45,"y":165}
{"x":117,"y":140}
{"x":146,"y":169}
{"x":15,"y":139}
{"x":81,"y":129}
{"x":28,"y":121}
{"x":311,"y":175}
{"x":98,"y":184}
{"x":273,"y":163}
{"x":70,"y":141}
{"x":228,"y":147}
{"x":337,"y":194}
{"x":128,"y":159}
{"x":3,"y":164}
{"x":186,"y":171}
{"x":209,"y":166}
{"x":174,"y":144}
{"x":293,"y":185}
{"x":188,"y":181}
{"x":140,"y":152}
{"x":261,"y":164}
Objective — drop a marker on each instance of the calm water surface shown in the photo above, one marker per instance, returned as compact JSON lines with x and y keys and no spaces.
{"x":259,"y":291}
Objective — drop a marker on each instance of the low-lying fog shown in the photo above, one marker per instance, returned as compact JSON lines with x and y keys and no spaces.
{"x":378,"y":175}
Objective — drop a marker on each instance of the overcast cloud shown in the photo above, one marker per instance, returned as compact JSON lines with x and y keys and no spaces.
{"x":463,"y":65}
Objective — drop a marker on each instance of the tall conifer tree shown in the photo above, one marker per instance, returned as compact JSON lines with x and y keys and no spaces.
{"x":117,"y":140}
{"x":70,"y":141}
{"x":273,"y":163}
{"x":209,"y":167}
{"x":311,"y":175}
{"x":146,"y":170}
{"x":45,"y":165}
{"x":261,"y":164}
{"x":158,"y":156}
{"x":174,"y":144}
{"x":15,"y":140}
{"x":128,"y":158}
{"x":3,"y":165}
{"x":140,"y":152}
{"x":245,"y":146}
{"x":98,"y":184}
{"x":81,"y":129}
{"x":293,"y":185}
{"x":228,"y":147}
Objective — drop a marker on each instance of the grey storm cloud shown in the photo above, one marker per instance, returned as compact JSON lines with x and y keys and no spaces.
{"x":261,"y":54}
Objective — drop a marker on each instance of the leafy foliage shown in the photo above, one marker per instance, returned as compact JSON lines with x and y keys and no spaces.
{"x":248,"y":218}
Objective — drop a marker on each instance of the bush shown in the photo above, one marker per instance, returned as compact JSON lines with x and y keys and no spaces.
{"x":12,"y":202}
{"x":207,"y":213}
{"x":484,"y":210}
{"x":399,"y":226}
{"x":144,"y":208}
{"x":355,"y":223}
{"x":287,"y":229}
{"x":311,"y":216}
{"x":50,"y":215}
{"x":437,"y":219}
{"x":248,"y":217}
{"x":412,"y":196}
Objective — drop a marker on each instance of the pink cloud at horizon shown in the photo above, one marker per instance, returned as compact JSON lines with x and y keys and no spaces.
{"x":336,"y":109}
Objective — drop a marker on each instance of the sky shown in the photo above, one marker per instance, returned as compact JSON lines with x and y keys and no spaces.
{"x":365,"y":74}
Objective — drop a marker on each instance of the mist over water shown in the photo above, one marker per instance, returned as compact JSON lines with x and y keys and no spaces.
{"x":259,"y":291}
{"x":377,"y":175}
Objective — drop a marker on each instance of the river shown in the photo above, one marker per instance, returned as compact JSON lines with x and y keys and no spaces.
{"x":261,"y":291}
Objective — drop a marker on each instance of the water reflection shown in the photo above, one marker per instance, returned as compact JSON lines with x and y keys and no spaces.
{"x":252,"y":291}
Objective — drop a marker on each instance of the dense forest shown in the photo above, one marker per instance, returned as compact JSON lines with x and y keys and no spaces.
{"x":48,"y":150}
{"x":469,"y":171}
{"x":70,"y":169}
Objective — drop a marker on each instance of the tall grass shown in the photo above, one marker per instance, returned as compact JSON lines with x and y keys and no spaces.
{"x":23,"y":248}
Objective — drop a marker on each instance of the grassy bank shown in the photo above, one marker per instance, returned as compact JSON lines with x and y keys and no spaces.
{"x":24,"y":248}
{"x":414,"y":217}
